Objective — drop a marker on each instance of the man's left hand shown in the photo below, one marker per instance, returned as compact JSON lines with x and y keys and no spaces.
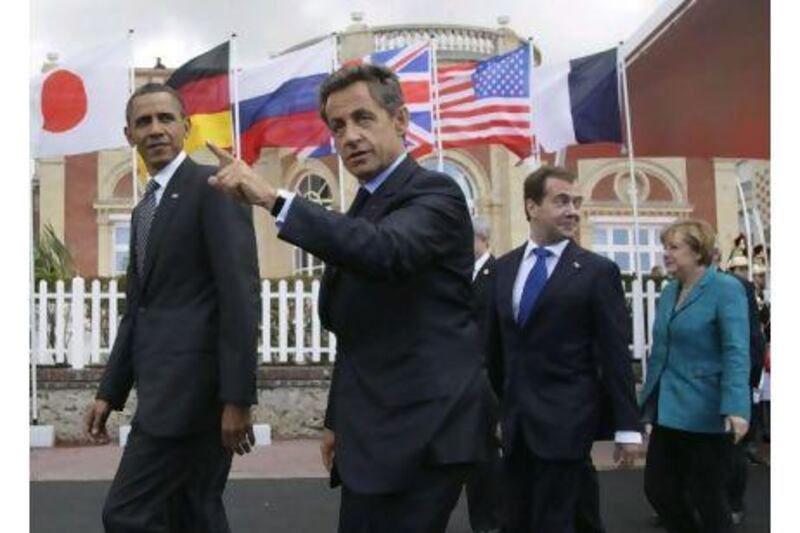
{"x":625,"y":454}
{"x":237,"y":429}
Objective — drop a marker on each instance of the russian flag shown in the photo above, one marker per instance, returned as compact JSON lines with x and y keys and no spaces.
{"x":279,"y":102}
{"x":577,"y":102}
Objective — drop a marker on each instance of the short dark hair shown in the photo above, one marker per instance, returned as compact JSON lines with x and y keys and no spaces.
{"x":151,"y":88}
{"x":383,"y":85}
{"x":536,"y":180}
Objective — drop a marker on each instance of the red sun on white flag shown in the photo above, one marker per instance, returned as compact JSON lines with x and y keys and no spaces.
{"x":63,"y":101}
{"x":79,"y":106}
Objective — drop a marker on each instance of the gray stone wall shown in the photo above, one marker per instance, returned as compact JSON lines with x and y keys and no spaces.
{"x":291,"y":400}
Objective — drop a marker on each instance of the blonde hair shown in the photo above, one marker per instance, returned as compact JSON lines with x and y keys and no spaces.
{"x":696,"y":234}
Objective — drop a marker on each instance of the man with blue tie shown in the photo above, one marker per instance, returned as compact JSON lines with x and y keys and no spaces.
{"x":557,"y":343}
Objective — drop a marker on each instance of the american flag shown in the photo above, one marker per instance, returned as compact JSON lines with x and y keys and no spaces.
{"x":412,"y":65}
{"x":487,"y":102}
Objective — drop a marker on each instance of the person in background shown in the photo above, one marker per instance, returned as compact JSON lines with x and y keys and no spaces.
{"x":484,"y":483}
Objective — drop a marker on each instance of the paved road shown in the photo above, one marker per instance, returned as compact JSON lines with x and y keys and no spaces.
{"x":308,"y":506}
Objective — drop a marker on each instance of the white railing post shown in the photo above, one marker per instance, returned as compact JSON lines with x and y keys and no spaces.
{"x":94,"y":354}
{"x":315,"y":326}
{"x":77,"y":355}
{"x":331,"y":347}
{"x":651,"y":313}
{"x":266,"y":329}
{"x":113,"y":296}
{"x":41,"y":333}
{"x":638,"y":321}
{"x":299,"y":324}
{"x":59,"y":348}
{"x":283,"y":322}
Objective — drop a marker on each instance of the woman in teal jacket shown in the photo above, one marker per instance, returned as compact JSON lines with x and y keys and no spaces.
{"x":696,"y":396}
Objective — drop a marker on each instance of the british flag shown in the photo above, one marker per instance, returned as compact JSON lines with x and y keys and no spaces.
{"x":412,"y":65}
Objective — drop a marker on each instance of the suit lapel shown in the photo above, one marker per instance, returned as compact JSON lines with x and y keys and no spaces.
{"x":380,"y":202}
{"x":163,"y":217}
{"x":695,"y":293}
{"x":506,"y":279}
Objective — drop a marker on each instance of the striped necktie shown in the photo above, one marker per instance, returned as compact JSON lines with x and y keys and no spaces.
{"x":144,"y":219}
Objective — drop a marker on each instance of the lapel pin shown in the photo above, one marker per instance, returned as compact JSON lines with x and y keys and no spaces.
{"x":576,"y":264}
{"x":174,"y":195}
{"x":485,"y":271}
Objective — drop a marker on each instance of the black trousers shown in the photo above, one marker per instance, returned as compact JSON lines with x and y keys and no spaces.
{"x":169,"y":485}
{"x":424,"y":507}
{"x":688,"y":471}
{"x":484,"y":493}
{"x":545,"y":496}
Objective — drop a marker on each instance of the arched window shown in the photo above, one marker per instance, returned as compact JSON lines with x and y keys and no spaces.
{"x":459,"y":175}
{"x":314,"y":188}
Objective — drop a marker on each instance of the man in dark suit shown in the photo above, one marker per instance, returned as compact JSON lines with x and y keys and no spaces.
{"x":483,"y":484}
{"x":187,"y":340}
{"x":559,"y":361}
{"x":406,"y":401}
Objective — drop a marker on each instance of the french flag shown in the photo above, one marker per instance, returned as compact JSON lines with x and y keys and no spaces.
{"x":279,"y":103}
{"x":577,"y":102}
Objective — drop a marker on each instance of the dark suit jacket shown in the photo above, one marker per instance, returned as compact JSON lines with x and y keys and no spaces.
{"x":188,"y":337}
{"x":406,"y":384}
{"x":758,"y":343}
{"x":480,"y":286}
{"x":568,"y":368}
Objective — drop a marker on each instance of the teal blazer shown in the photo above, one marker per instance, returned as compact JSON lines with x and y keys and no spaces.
{"x":699,"y":363}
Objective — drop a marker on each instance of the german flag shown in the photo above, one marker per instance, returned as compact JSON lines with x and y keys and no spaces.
{"x":203,"y":84}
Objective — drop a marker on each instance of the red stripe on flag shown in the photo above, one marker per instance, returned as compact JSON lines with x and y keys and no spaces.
{"x":299,"y":130}
{"x":206,"y":96}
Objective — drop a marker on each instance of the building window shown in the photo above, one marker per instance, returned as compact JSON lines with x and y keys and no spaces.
{"x":613,"y":238}
{"x":120,"y":241}
{"x":459,"y":175}
{"x":314,"y":188}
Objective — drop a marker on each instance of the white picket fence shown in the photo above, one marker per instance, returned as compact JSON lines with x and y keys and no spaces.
{"x":77,"y":327}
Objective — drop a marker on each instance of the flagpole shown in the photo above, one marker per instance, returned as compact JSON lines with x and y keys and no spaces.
{"x":437,"y":113}
{"x":233,"y":76}
{"x":134,"y":160}
{"x":638,"y":333}
{"x":34,"y":353}
{"x":763,"y":237}
{"x":531,"y":64}
{"x":747,"y":229}
{"x":339,"y":162}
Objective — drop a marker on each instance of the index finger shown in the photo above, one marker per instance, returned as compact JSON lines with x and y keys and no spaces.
{"x":223,"y":156}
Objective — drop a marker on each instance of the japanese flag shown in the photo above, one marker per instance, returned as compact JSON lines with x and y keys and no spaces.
{"x":79,"y":106}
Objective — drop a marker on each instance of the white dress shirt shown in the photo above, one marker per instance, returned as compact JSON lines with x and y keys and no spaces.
{"x":165,"y":174}
{"x":525,"y":267}
{"x":479,"y":264}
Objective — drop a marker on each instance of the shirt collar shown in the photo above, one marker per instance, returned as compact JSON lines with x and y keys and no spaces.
{"x":373,"y":184}
{"x":165,"y":174}
{"x":557,"y":248}
{"x":482,"y":261}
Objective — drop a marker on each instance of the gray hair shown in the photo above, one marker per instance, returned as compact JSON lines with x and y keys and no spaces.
{"x":482,"y":229}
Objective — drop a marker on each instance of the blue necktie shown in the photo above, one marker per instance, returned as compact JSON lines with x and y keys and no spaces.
{"x":533,"y":285}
